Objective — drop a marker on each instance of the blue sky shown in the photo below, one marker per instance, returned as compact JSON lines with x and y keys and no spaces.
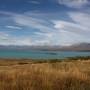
{"x":44,"y":22}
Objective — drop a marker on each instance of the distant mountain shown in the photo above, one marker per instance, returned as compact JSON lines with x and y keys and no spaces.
{"x":75,"y":47}
{"x":78,"y":47}
{"x":30,"y":47}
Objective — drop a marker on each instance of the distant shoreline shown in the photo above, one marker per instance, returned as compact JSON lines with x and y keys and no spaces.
{"x":46,"y":60}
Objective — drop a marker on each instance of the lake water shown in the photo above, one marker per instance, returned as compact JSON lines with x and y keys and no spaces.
{"x":40,"y":54}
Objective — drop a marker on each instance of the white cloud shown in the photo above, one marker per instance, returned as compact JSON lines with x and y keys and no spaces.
{"x":70,"y":27}
{"x":3,"y":36}
{"x":70,"y":33}
{"x":34,"y":2}
{"x":48,"y":35}
{"x":13,"y":27}
{"x":23,"y":41}
{"x":32,"y":22}
{"x":73,"y":3}
{"x":81,"y":18}
{"x":15,"y":41}
{"x":57,"y":33}
{"x":41,"y":38}
{"x":42,"y":42}
{"x":6,"y":39}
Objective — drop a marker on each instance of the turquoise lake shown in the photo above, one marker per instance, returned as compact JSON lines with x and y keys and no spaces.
{"x":40,"y":54}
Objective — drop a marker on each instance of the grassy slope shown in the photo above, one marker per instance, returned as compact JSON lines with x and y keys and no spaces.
{"x":29,"y":75}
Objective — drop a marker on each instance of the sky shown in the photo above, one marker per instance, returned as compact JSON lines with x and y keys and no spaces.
{"x":44,"y":22}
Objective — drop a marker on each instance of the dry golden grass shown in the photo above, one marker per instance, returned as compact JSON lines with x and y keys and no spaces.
{"x":28,"y":75}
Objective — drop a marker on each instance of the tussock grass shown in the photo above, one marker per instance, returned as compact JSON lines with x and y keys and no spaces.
{"x":26,"y":75}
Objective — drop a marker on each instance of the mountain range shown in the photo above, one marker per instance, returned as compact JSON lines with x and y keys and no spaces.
{"x":74,"y":47}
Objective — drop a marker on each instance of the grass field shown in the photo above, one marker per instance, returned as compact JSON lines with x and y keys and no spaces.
{"x":41,"y":75}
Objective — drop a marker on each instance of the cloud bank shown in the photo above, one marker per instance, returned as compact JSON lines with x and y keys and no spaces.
{"x":43,"y":32}
{"x":73,"y":3}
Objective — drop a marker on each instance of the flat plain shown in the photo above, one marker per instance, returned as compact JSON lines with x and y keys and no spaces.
{"x":44,"y":75}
